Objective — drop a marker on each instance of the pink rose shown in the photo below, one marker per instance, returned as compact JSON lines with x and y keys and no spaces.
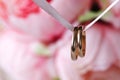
{"x":28,"y":28}
{"x":35,"y":46}
{"x":102,"y":54}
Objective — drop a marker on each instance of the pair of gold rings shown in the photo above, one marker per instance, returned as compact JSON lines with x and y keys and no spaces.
{"x":78,"y":47}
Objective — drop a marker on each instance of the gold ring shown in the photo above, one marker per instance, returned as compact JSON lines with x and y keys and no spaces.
{"x":78,"y":43}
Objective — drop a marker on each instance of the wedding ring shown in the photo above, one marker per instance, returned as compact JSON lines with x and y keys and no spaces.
{"x":78,"y":47}
{"x":74,"y":47}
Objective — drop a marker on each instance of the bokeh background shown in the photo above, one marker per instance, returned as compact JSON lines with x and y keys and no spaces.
{"x":35,"y":46}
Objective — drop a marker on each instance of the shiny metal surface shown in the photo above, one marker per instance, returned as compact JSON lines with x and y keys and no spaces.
{"x":78,"y":47}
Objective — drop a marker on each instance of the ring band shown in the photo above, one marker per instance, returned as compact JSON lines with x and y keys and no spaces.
{"x":78,"y":43}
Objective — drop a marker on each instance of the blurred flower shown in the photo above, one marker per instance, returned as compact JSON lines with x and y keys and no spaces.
{"x":34,"y":46}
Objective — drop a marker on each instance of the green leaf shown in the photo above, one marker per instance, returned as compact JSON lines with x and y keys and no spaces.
{"x":104,"y":1}
{"x":89,"y":16}
{"x":56,"y":78}
{"x":42,"y":50}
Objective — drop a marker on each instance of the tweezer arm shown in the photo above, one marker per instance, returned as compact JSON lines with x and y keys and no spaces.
{"x":50,"y":10}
